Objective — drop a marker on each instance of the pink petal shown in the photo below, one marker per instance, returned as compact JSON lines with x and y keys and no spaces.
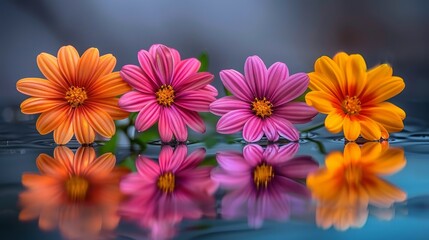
{"x":193,"y":160}
{"x":174,"y":53}
{"x":176,"y":123}
{"x":194,"y":101}
{"x":148,"y":169}
{"x":235,"y":83}
{"x":290,"y":89}
{"x":277,"y":73}
{"x":298,"y":167}
{"x":164,"y":129}
{"x":296,"y":112}
{"x":178,"y":158}
{"x":253,"y":154}
{"x":233,"y":121}
{"x":286,"y":129}
{"x":164,"y":64}
{"x":233,"y":162}
{"x":133,"y":75}
{"x":147,"y":65}
{"x":270,"y":130}
{"x":209,"y":90}
{"x":255,"y":73}
{"x":235,"y":203}
{"x":131,"y":183}
{"x":227,"y":104}
{"x":195,"y":81}
{"x":192,"y":119}
{"x":134,"y":101}
{"x":165,"y":158}
{"x":281,"y":155}
{"x":231,"y":180}
{"x":252,"y":130}
{"x":292,"y":187}
{"x":148,"y":115}
{"x":185,"y":69}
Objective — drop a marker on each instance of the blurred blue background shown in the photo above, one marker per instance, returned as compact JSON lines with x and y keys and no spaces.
{"x":295,"y":32}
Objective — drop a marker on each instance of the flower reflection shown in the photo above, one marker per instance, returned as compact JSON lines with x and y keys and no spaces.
{"x":263,"y":183}
{"x":78,"y":193}
{"x":162,"y":195}
{"x":351,"y":181}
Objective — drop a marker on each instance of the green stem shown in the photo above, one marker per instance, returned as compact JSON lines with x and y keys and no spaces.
{"x":314,"y":127}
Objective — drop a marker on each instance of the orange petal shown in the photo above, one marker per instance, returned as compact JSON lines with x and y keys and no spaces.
{"x":103,"y":165}
{"x":386,"y":117}
{"x":355,"y":75}
{"x":34,"y":105}
{"x":83,"y":159}
{"x":334,"y":161}
{"x":105,"y":66}
{"x":110,"y":105}
{"x":64,"y":132}
{"x":390,"y":162}
{"x":49,"y":121}
{"x":389,"y":88}
{"x":87,"y":66}
{"x":39,"y":87}
{"x":322,"y":102}
{"x":377,"y":75}
{"x":341,"y":59}
{"x":64,"y":155}
{"x":351,"y":127}
{"x":48,"y":65}
{"x":319,"y":82}
{"x":334,"y":121}
{"x":82,"y":129}
{"x":50,"y":166}
{"x":330,"y":70}
{"x":371,"y":151}
{"x":99,"y":120}
{"x":68,"y":59}
{"x":382,"y":193}
{"x":110,"y":85}
{"x":369,"y":128}
{"x":36,"y":181}
{"x":352,"y":152}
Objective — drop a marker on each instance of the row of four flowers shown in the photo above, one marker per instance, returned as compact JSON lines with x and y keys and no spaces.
{"x":80,"y":96}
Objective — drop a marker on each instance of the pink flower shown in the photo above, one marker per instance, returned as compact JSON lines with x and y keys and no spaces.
{"x":262,"y":102}
{"x":263,"y":183}
{"x":169,"y":91}
{"x":163,"y":195}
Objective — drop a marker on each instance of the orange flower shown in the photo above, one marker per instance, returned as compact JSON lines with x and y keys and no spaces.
{"x":78,"y":96}
{"x":78,"y":193}
{"x":350,"y":182}
{"x":354,"y":98}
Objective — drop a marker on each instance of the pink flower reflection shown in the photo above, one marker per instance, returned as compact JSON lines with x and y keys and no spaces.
{"x":162,"y":195}
{"x":263,"y":183}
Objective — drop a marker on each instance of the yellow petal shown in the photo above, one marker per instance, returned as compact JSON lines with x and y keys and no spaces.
{"x":388,"y":88}
{"x":390,"y":162}
{"x":352,"y":152}
{"x":334,"y":161}
{"x":387,"y":117}
{"x":351,"y":127}
{"x":377,"y":75}
{"x":382,"y":193}
{"x":355,"y":75}
{"x":371,"y":151}
{"x":319,"y":82}
{"x":341,"y":59}
{"x":334,"y":121}
{"x":68,"y":59}
{"x":48,"y":65}
{"x":322,"y":102}
{"x":369,"y":129}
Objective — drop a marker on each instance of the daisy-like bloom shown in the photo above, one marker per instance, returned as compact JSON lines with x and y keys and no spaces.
{"x":262,"y":102}
{"x":263,"y":183}
{"x":78,"y":96}
{"x":354,"y":98}
{"x":162,"y":195}
{"x":78,"y":193}
{"x":351,"y":181}
{"x":169,"y":91}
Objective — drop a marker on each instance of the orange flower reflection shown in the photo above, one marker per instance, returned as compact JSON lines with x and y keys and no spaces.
{"x":351,"y":181}
{"x":78,"y":193}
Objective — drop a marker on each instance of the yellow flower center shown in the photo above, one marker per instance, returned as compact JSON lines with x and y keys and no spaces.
{"x":165,"y":95}
{"x":353,"y":175}
{"x":263,"y":174}
{"x":351,"y":105}
{"x":76,"y":96}
{"x":76,"y":188}
{"x":166,"y":182}
{"x":262,"y":107}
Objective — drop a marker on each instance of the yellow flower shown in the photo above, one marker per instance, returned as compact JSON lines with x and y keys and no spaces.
{"x":78,"y":96}
{"x":354,"y":98}
{"x":351,"y":181}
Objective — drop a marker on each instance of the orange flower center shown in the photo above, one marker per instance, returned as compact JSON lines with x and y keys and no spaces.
{"x":353,"y":175}
{"x":76,"y":188}
{"x":263,"y":174}
{"x":262,"y":107}
{"x":165,"y":95}
{"x":351,"y":105}
{"x":166,"y":182}
{"x":76,"y":96}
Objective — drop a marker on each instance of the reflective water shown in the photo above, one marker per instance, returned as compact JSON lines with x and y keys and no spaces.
{"x":256,"y":197}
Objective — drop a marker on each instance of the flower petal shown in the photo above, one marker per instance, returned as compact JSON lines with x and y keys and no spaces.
{"x":147,"y":62}
{"x":193,"y":120}
{"x":377,"y":75}
{"x":86,"y":66}
{"x":110,"y":85}
{"x":322,"y":102}
{"x":355,"y":74}
{"x":334,"y":121}
{"x":39,"y":87}
{"x":194,"y":101}
{"x":110,"y":105}
{"x":232,"y":162}
{"x":389,"y":162}
{"x":351,"y":127}
{"x":235,"y":83}
{"x":134,"y":76}
{"x":148,"y":169}
{"x":68,"y":59}
{"x":252,"y":130}
{"x":99,"y":120}
{"x":192,"y":160}
{"x":369,"y":128}
{"x":102,"y":165}
{"x":106,"y":64}
{"x":185,"y":69}
{"x":253,"y":154}
{"x":386,"y":115}
{"x":34,"y":105}
{"x":134,"y":101}
{"x":270,"y":131}
{"x":83,"y":130}
{"x":233,"y":121}
{"x":164,"y":128}
{"x":296,"y":112}
{"x":277,"y":73}
{"x":330,"y":71}
{"x":286,"y":129}
{"x":226,"y":104}
{"x":49,"y":121}
{"x":48,"y":65}
{"x":147,"y":116}
{"x":299,"y":167}
{"x":319,"y":82}
{"x":290,"y":89}
{"x":64,"y":132}
{"x":195,"y":81}
{"x":255,"y":73}
{"x":50,"y":166}
{"x":177,"y":125}
{"x":164,"y":64}
{"x":389,"y":88}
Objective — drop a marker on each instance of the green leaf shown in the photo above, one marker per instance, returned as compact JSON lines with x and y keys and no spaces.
{"x":209,"y":161}
{"x":111,"y":145}
{"x":204,"y":59}
{"x":129,"y":163}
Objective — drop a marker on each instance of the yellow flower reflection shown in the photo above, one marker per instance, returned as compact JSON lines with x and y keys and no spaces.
{"x":351,"y":181}
{"x":78,"y":193}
